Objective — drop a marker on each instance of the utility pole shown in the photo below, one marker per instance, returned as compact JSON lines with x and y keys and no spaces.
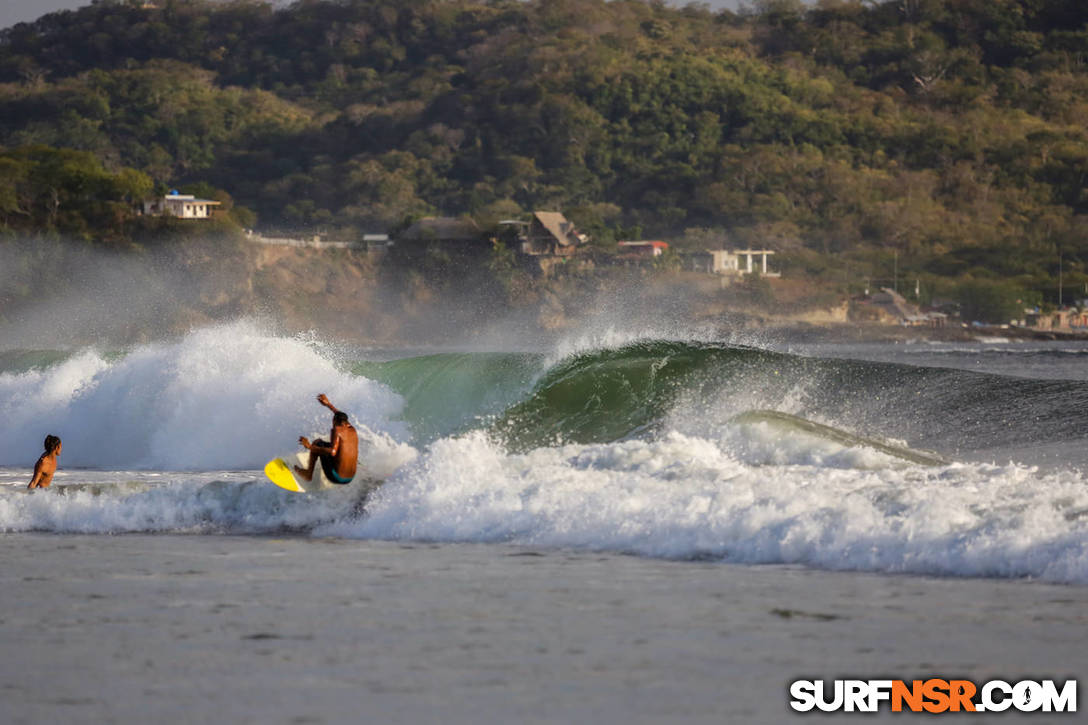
{"x":1059,"y":279}
{"x":895,"y":273}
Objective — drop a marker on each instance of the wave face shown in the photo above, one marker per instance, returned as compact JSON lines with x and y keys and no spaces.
{"x":455,"y":392}
{"x":648,"y":447}
{"x":651,"y":387}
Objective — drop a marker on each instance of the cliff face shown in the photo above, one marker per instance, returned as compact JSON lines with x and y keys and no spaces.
{"x":66,"y":295}
{"x":69,"y":294}
{"x":335,"y":291}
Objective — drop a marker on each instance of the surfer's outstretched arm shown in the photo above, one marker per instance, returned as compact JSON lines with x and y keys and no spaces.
{"x":324,"y":400}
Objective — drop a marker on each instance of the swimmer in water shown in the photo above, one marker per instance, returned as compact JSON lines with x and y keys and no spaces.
{"x":47,"y":464}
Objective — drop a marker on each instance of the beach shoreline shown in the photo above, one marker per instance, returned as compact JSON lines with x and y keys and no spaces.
{"x":135,"y":627}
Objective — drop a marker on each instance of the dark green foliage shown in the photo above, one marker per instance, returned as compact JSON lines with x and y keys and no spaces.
{"x":992,"y":301}
{"x":947,"y":132}
{"x":67,"y":192}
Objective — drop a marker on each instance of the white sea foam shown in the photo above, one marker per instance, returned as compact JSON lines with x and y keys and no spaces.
{"x":796,"y":501}
{"x":222,"y":502}
{"x":222,"y":397}
{"x":590,"y":338}
{"x":681,"y":496}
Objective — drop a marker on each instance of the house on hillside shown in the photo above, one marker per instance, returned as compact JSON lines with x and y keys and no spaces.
{"x":550,"y":234}
{"x":448,"y":231}
{"x":640,"y":253}
{"x":183,"y":206}
{"x":732,"y":262}
{"x":644,"y":249}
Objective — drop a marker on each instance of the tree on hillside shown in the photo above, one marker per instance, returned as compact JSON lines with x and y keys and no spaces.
{"x":941,"y":129}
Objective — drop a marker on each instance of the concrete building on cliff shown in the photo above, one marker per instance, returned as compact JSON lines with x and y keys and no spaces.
{"x":732,"y":262}
{"x":182,"y":206}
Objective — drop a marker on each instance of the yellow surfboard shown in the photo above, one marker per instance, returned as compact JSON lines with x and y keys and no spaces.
{"x":280,"y":472}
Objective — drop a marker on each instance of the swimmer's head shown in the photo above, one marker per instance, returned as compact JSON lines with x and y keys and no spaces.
{"x":339,"y":417}
{"x":52,"y":443}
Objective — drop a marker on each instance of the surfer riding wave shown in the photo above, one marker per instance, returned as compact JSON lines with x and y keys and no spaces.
{"x":339,"y":455}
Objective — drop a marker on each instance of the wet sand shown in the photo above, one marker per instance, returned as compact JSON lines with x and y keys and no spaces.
{"x":197,"y":629}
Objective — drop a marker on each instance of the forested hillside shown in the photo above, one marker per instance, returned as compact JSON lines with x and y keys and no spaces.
{"x":950,"y":133}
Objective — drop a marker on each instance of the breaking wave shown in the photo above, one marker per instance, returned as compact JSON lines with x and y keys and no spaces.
{"x":658,"y":448}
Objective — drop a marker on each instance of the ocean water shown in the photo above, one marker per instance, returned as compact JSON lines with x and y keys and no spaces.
{"x":617,"y":444}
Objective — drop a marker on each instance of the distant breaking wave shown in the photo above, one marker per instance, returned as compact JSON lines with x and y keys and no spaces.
{"x":644,"y":388}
